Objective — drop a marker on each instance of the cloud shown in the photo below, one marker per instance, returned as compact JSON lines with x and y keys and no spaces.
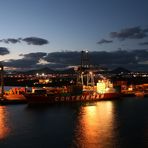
{"x":11,"y":40}
{"x":145,"y":30}
{"x":28,"y":61}
{"x":143,"y":43}
{"x":132,"y":60}
{"x":53,"y":60}
{"x":67,"y":58}
{"x":20,"y":63}
{"x":104,"y":41}
{"x":35,"y":41}
{"x":28,"y":40}
{"x":120,"y":58}
{"x":4,"y":51}
{"x":34,"y":56}
{"x":130,"y":33}
{"x":97,"y":57}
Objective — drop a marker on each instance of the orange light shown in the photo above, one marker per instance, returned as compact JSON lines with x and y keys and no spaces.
{"x":101,"y":87}
{"x":4,"y":129}
{"x":95,"y":125}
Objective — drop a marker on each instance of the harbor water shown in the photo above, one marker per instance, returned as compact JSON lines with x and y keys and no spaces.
{"x":119,"y":123}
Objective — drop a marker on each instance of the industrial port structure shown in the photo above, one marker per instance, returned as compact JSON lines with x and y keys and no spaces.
{"x":2,"y":80}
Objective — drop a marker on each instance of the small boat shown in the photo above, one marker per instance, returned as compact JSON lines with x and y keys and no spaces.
{"x":14,"y":95}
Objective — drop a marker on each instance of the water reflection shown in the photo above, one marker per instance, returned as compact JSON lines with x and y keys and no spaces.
{"x":95,"y":126}
{"x":4,"y":129}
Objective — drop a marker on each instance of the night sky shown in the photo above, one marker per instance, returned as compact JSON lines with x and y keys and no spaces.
{"x":39,"y":33}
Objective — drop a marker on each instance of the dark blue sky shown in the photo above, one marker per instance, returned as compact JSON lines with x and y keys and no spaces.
{"x":31,"y":26}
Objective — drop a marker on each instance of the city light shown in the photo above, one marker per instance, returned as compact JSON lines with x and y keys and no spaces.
{"x":4,"y":129}
{"x":101,"y":87}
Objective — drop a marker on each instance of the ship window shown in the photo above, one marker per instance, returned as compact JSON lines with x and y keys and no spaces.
{"x":40,"y":92}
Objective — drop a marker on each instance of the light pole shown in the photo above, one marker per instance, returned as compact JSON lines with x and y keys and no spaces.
{"x":2,"y":80}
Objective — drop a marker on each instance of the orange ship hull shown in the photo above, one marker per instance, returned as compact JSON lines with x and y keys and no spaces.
{"x":49,"y":99}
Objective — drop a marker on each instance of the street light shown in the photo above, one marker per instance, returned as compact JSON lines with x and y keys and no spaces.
{"x":2,"y":80}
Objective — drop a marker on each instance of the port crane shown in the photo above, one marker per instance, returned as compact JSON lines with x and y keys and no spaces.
{"x":85,"y":73}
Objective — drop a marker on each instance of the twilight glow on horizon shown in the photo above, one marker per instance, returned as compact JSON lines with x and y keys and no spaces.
{"x":37,"y":33}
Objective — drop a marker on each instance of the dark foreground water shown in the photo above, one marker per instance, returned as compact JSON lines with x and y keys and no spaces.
{"x":104,"y":124}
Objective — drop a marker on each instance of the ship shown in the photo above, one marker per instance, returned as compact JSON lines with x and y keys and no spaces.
{"x":74,"y":93}
{"x":85,"y":88}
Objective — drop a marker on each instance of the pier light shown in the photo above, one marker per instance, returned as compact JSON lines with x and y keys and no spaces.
{"x":101,"y":87}
{"x":43,"y":74}
{"x":130,"y":88}
{"x":90,"y":72}
{"x":76,"y":68}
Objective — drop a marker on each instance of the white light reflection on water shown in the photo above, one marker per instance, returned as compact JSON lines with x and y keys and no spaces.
{"x":95,"y":126}
{"x":4,"y":129}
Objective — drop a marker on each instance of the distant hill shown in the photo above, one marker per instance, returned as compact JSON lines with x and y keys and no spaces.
{"x":66,"y":71}
{"x":46,"y":70}
{"x":120,"y":70}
